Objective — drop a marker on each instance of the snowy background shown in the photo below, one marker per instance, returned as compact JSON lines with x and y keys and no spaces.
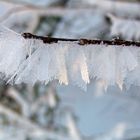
{"x":55,"y":112}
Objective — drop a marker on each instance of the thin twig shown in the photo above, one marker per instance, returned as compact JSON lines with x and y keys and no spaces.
{"x":118,"y":42}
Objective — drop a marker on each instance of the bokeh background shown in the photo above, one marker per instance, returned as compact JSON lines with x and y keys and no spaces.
{"x":57,"y":112}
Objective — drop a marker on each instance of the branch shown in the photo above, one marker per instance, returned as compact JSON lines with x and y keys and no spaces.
{"x":120,"y":8}
{"x":82,"y":41}
{"x":123,"y":27}
{"x":67,"y":62}
{"x":115,"y":7}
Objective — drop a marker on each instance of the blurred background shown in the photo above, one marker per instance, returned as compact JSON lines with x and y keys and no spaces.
{"x":57,"y":112}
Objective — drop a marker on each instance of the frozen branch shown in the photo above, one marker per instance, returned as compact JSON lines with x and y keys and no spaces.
{"x":34,"y":58}
{"x":115,"y":7}
{"x":119,"y":8}
{"x":43,"y":11}
{"x":126,"y":28}
{"x":82,"y":41}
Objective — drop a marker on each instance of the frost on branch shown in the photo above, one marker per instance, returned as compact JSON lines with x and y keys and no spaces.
{"x":12,"y":51}
{"x":30,"y":61}
{"x":126,"y":28}
{"x":119,"y":8}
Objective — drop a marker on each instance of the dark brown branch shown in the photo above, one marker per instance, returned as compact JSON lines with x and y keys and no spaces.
{"x":82,"y":41}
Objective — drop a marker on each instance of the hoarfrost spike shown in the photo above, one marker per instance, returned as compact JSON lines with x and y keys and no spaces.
{"x":24,"y":60}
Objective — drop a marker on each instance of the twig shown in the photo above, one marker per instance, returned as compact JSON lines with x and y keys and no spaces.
{"x":82,"y":41}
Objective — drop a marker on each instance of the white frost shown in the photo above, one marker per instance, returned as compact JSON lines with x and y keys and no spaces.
{"x":126,"y":28}
{"x":30,"y":61}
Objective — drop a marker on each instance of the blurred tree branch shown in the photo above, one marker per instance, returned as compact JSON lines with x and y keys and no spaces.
{"x":109,"y":6}
{"x":28,"y":124}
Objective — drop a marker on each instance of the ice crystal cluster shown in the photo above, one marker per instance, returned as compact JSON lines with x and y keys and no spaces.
{"x":120,"y":27}
{"x":30,"y":61}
